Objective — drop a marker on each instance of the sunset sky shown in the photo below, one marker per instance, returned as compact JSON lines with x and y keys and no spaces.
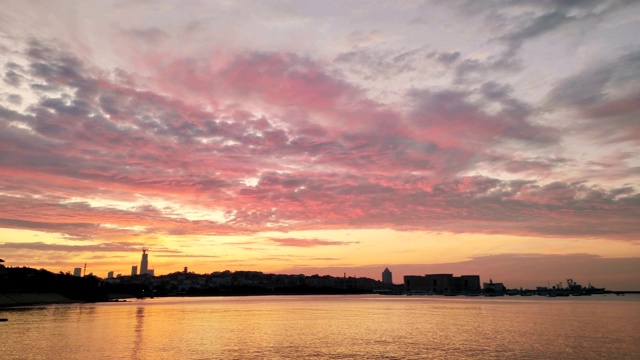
{"x":498,"y":138}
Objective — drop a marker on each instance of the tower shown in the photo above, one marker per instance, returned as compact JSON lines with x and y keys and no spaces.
{"x":387,"y":277}
{"x":144,"y":263}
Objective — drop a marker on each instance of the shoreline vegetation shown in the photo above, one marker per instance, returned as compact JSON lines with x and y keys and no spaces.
{"x":23,"y":286}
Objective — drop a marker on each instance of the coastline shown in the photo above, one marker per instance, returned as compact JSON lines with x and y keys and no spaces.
{"x":11,"y":300}
{"x":25,"y":299}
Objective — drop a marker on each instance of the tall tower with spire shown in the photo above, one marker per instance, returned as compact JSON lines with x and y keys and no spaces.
{"x":144,"y":263}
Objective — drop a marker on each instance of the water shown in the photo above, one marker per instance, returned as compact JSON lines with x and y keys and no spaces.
{"x":328,"y":327}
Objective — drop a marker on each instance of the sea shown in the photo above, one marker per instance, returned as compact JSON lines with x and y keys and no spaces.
{"x":328,"y":327}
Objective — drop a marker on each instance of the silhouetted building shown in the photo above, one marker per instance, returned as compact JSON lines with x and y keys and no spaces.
{"x":387,"y":277}
{"x":110,"y":275}
{"x":467,"y":284}
{"x":491,"y":287}
{"x":431,"y":284}
{"x":413,"y":283}
{"x":144,"y":262}
{"x":134,"y":270}
{"x":442,"y":284}
{"x":77,"y":272}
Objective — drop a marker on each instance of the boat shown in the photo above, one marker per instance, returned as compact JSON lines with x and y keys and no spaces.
{"x":4,"y":319}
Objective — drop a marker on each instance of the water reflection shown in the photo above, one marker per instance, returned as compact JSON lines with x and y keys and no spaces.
{"x":342,"y":327}
{"x":138,"y":333}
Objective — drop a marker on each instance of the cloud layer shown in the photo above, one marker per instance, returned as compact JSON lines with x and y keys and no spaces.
{"x":322,"y":156}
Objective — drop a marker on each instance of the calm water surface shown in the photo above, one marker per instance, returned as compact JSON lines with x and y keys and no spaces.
{"x":328,"y":327}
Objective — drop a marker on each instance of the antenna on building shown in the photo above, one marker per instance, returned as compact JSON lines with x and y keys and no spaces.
{"x":144,"y":262}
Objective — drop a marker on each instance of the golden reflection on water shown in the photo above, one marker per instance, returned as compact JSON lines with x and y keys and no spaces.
{"x":326,"y":327}
{"x":138,"y":330}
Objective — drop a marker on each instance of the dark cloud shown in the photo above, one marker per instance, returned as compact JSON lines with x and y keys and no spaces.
{"x":41,"y":246}
{"x":147,"y":35}
{"x":607,"y":96}
{"x":592,"y":86}
{"x":57,"y":68}
{"x":374,"y":64}
{"x":474,"y":70}
{"x":538,"y":26}
{"x":550,"y":16}
{"x":13,"y":78}
{"x":520,"y":21}
{"x":44,"y":226}
{"x":182,"y":256}
{"x":306,"y":242}
{"x":455,"y":120}
{"x":14,"y":99}
{"x":446,"y":58}
{"x":583,"y":89}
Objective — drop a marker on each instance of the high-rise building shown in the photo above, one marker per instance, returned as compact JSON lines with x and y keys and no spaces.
{"x":110,"y":275}
{"x":77,"y":272}
{"x":387,"y":277}
{"x":144,"y":262}
{"x":134,"y":270}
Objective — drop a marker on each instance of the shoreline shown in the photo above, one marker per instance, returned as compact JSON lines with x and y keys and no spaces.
{"x":11,"y":300}
{"x":28,"y":299}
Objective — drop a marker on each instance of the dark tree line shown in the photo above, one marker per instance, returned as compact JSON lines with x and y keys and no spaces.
{"x":28,"y":280}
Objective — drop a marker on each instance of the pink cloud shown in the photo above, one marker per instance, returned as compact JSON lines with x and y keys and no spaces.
{"x":323,"y":155}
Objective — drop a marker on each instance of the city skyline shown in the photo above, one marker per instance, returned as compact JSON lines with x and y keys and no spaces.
{"x":386,"y":276}
{"x":497,"y":138}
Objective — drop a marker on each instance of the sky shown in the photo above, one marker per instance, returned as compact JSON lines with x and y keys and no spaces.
{"x":498,"y":138}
